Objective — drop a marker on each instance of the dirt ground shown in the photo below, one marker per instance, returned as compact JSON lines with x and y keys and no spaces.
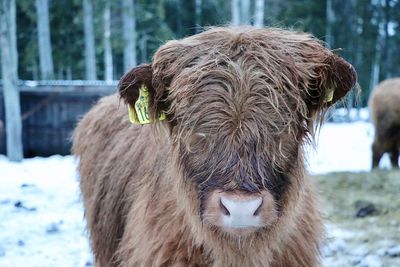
{"x":369,"y":241}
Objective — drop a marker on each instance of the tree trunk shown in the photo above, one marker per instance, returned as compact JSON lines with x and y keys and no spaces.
{"x":45,"y":56}
{"x":330,"y":17}
{"x":129,"y":32}
{"x":385,"y":39}
{"x":68,"y":73}
{"x":35,"y":70}
{"x":108,"y":60}
{"x":198,"y":14}
{"x":350,"y":104}
{"x":245,"y":12}
{"x":259,"y":14}
{"x":358,"y":61}
{"x":143,"y":47}
{"x":90,"y":49}
{"x":178,"y":16}
{"x":376,"y":67}
{"x":9,"y":65}
{"x":350,"y":24}
{"x":235,"y":12}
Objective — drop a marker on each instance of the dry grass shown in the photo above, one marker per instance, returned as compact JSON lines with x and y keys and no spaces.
{"x":340,"y":192}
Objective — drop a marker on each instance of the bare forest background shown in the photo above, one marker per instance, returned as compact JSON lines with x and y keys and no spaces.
{"x":101,"y":39}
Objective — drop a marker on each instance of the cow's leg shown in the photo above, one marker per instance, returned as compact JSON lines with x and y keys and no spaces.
{"x":394,"y":157}
{"x":377,"y":153}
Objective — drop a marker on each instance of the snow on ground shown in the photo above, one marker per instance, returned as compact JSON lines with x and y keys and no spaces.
{"x":343,"y":147}
{"x":41,"y":217}
{"x":41,"y":214}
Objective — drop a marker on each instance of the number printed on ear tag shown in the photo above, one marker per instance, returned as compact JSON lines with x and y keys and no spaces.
{"x":140,"y":114}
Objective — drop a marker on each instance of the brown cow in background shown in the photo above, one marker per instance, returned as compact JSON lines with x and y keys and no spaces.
{"x":221,"y":181}
{"x":384,"y":105}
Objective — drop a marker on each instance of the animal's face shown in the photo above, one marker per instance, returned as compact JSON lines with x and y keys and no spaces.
{"x":239,"y":104}
{"x":238,"y":137}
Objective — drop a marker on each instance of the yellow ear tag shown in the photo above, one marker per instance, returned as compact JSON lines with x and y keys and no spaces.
{"x":329,"y":96}
{"x":132,"y":115}
{"x":140,"y":114}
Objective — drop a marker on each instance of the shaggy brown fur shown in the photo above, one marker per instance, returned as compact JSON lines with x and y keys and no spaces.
{"x":384,"y":105}
{"x":240,"y":102}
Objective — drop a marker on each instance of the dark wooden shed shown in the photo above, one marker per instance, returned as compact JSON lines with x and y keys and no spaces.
{"x":50,"y":111}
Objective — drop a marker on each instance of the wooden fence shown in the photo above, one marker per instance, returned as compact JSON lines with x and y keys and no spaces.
{"x":50,"y":111}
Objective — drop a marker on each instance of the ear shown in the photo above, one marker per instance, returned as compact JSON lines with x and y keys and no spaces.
{"x":135,"y":81}
{"x":329,"y":82}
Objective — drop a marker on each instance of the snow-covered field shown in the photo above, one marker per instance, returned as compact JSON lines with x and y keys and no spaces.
{"x":41,"y":214}
{"x":41,"y":217}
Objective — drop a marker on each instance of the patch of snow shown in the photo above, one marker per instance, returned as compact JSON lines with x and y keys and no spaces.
{"x":393,"y":251}
{"x":371,"y":261}
{"x":334,"y":231}
{"x":334,"y":246}
{"x":360,"y":251}
{"x":40,"y":209}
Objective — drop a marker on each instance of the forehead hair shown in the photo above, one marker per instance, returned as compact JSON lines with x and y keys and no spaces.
{"x":235,"y":84}
{"x":237,"y":72}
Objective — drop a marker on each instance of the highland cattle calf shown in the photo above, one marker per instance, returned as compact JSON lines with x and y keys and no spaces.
{"x":384,"y":104}
{"x":217,"y":178}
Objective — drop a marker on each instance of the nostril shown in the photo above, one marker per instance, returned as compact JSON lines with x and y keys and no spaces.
{"x":258,"y":210}
{"x":224,"y":210}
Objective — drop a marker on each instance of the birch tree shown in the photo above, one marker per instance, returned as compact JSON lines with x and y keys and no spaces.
{"x":240,"y":12}
{"x":9,"y":64}
{"x":178,"y":16}
{"x":129,"y":32}
{"x":329,"y":22}
{"x":143,"y":46}
{"x":259,"y":14}
{"x":198,"y":14}
{"x":90,"y":49}
{"x":385,"y":39}
{"x":235,"y":12}
{"x":244,"y":12}
{"x":108,"y":60}
{"x":375,"y":70}
{"x":45,"y":56}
